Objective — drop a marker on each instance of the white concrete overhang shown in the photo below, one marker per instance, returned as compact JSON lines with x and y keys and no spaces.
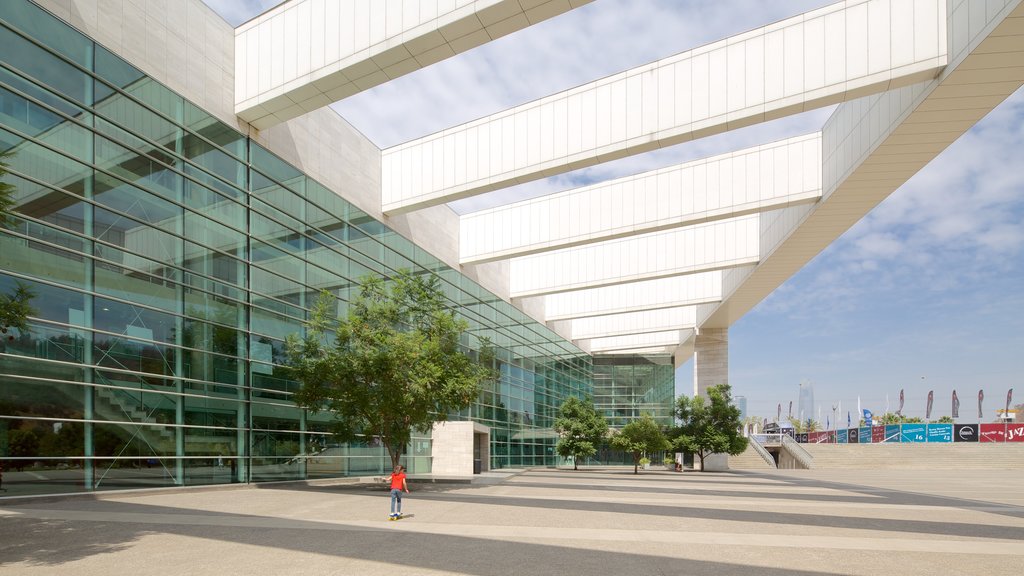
{"x":642,"y":322}
{"x":701,"y":248}
{"x":305,"y":54}
{"x":661,"y":293}
{"x":635,"y":343}
{"x":831,"y":55}
{"x":756,"y":179}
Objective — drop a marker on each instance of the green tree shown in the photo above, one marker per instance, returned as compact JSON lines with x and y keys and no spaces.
{"x":581,"y":429}
{"x":640,"y":437}
{"x":709,"y":427}
{"x":6,"y":193}
{"x":14,"y":308}
{"x":392,"y":366}
{"x":944,"y":420}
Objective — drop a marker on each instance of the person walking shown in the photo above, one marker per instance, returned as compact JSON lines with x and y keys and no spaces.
{"x":398,"y":485}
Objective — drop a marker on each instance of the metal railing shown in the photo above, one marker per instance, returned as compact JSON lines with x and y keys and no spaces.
{"x":798,"y":452}
{"x":756,"y":445}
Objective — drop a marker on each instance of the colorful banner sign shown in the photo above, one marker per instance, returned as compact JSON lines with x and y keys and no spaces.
{"x":842,"y":436}
{"x":853,"y":436}
{"x":865,"y":435}
{"x":802,"y":438}
{"x":940,"y":432}
{"x":892,"y":433}
{"x":992,"y":432}
{"x":913,"y":433}
{"x":965,"y":433}
{"x":877,"y":434}
{"x":1015,"y":432}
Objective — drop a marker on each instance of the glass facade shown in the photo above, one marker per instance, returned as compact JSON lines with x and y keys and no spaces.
{"x":170,"y":256}
{"x":627,"y":386}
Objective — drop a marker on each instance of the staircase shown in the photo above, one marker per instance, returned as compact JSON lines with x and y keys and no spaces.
{"x":963,"y":456}
{"x":750,"y":459}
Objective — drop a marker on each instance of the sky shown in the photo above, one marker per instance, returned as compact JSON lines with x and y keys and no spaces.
{"x":926,"y":293}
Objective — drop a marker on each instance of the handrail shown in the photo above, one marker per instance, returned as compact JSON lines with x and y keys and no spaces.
{"x":756,"y":445}
{"x":797,"y":451}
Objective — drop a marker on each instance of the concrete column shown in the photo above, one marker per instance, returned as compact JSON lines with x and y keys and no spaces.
{"x":710,"y":359}
{"x":711,"y":368}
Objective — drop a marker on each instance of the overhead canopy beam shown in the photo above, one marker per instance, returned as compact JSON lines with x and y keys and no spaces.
{"x":689,"y":290}
{"x":655,"y":342}
{"x":643,"y":322}
{"x":305,"y":54}
{"x":823,"y":57}
{"x":701,"y":248}
{"x":761,"y":178}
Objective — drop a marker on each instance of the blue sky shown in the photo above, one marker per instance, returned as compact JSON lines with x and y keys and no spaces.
{"x":925,"y":293}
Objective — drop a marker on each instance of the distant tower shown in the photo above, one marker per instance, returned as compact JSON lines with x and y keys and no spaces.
{"x":741,"y":403}
{"x":805,"y":406}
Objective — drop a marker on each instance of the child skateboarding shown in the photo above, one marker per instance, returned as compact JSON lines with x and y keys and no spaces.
{"x":398,"y":485}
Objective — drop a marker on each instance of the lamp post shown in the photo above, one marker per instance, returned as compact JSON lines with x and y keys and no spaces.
{"x":834,"y":438}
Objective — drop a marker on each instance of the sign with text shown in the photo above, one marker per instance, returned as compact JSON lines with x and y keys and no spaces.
{"x":877,"y":434}
{"x":865,"y":435}
{"x":853,"y":436}
{"x":841,"y":436}
{"x":1015,"y":432}
{"x":992,"y":432}
{"x":965,"y":433}
{"x":892,"y":433}
{"x":913,"y":433}
{"x":940,"y":432}
{"x":802,"y":437}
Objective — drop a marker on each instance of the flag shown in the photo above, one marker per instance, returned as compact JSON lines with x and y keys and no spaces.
{"x":790,"y":408}
{"x":848,"y":421}
{"x":779,"y":417}
{"x":1009,"y":398}
{"x":956,"y":405}
{"x":828,"y":425}
{"x":981,"y":396}
{"x":867,"y":417}
{"x":900,"y":410}
{"x":928,"y":408}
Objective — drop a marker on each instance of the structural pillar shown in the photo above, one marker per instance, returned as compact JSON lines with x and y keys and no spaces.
{"x":710,"y":359}
{"x":711,"y":368}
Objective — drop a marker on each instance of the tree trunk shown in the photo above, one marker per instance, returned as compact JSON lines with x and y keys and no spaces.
{"x":575,"y":462}
{"x":636,"y":464}
{"x":701,"y":456}
{"x":396,"y":454}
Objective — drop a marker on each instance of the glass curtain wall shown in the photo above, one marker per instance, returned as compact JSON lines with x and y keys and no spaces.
{"x":169,"y":257}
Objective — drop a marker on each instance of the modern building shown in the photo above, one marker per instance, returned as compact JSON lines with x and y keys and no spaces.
{"x":741,"y":403}
{"x":183,"y":192}
{"x":805,"y":402}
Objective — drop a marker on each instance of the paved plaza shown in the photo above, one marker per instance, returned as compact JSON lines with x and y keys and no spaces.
{"x":591,"y":521}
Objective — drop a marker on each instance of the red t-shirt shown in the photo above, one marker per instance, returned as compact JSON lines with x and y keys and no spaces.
{"x":397,"y":481}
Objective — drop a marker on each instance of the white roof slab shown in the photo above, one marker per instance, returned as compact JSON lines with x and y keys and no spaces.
{"x":757,"y":179}
{"x":831,"y":55}
{"x":305,"y":54}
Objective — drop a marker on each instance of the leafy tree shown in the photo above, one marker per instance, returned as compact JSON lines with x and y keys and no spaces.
{"x":6,"y":192}
{"x":640,"y":437}
{"x":944,"y":420}
{"x":581,"y":429}
{"x":709,"y":428}
{"x":802,"y":426}
{"x":392,"y":366}
{"x":14,"y":308}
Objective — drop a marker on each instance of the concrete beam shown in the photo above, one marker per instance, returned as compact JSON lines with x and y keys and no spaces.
{"x":305,"y":54}
{"x":831,"y":55}
{"x":757,"y":179}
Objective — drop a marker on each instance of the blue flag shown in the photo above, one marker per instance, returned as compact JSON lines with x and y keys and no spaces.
{"x":867,"y":417}
{"x":848,"y":421}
